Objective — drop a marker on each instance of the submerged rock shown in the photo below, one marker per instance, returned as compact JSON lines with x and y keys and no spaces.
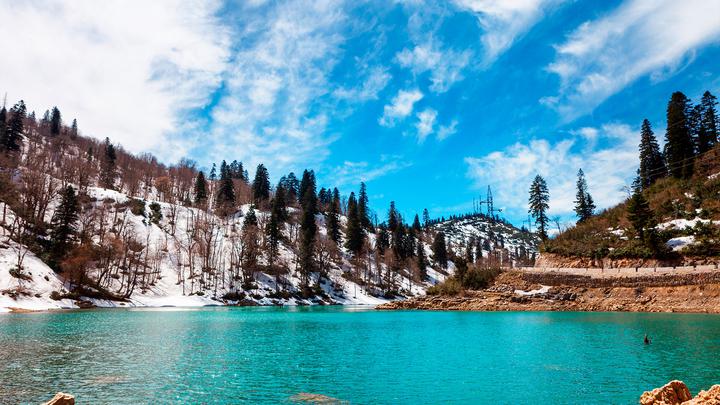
{"x":315,"y":399}
{"x":61,"y":398}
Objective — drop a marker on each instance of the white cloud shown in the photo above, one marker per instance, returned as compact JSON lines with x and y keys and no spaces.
{"x":425,"y":124}
{"x":352,"y":173}
{"x":272,"y":110}
{"x":638,"y":38}
{"x":125,"y":69}
{"x":445,"y":65}
{"x":400,"y":107}
{"x":504,"y":21}
{"x":447,"y":130}
{"x":607,"y":169}
{"x":374,"y":83}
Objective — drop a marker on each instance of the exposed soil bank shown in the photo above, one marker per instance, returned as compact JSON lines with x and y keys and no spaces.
{"x":518,"y":291}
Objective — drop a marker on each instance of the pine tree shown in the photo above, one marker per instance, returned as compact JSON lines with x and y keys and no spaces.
{"x":293,"y":186}
{"x":63,"y":224}
{"x":261,"y":185}
{"x":13,"y":134}
{"x":353,"y":232}
{"x":439,"y":250}
{"x":639,"y":214}
{"x":333,"y":217}
{"x":417,"y":229}
{"x":539,"y":198}
{"x":426,"y":218}
{"x":225,"y":199}
{"x":308,"y":227}
{"x":74,"y":129}
{"x":393,"y":217}
{"x":3,"y":126}
{"x":307,"y":182}
{"x":213,"y":172}
{"x":679,"y":146}
{"x":55,"y":122}
{"x":584,"y":205}
{"x":200,"y":189}
{"x":421,"y":260}
{"x":652,"y":164}
{"x":363,"y":210}
{"x":108,"y":170}
{"x":274,"y":226}
{"x":250,"y":218}
{"x":709,"y":122}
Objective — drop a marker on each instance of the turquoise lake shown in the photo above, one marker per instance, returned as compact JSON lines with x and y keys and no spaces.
{"x":267,"y":355}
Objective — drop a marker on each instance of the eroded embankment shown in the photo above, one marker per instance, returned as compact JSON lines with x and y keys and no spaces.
{"x":520,"y":291}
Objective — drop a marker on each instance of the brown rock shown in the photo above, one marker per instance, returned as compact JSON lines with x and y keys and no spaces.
{"x":61,"y":398}
{"x":709,"y":397}
{"x":673,"y":393}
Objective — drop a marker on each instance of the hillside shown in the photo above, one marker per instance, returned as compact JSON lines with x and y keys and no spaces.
{"x":84,"y":223}
{"x":685,"y":226}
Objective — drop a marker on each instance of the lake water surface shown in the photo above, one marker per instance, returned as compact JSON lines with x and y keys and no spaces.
{"x":267,"y":355}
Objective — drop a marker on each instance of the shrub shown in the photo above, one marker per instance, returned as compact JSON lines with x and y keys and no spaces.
{"x":137,"y":207}
{"x":155,"y":213}
{"x":451,"y":286}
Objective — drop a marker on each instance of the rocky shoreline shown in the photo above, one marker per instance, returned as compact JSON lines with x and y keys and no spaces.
{"x":677,"y":393}
{"x":518,"y":291}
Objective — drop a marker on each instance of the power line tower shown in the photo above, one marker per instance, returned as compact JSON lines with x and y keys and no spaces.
{"x":489,"y":202}
{"x":529,"y":222}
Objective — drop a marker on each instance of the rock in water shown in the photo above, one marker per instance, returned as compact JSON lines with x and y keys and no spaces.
{"x":61,"y":398}
{"x":672,"y":393}
{"x":709,"y":397}
{"x":316,"y":399}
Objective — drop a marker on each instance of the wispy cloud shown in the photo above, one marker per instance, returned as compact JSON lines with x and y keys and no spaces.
{"x":400,"y":107}
{"x":280,"y":74}
{"x":504,"y":21}
{"x":351,"y":173}
{"x":447,"y":130}
{"x":608,"y":169}
{"x":375,"y":81}
{"x":425,"y":124}
{"x":445,"y":66}
{"x":638,"y":38}
{"x":127,"y":70}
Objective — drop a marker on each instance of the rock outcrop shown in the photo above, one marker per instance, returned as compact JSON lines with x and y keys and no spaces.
{"x":677,"y":393}
{"x":674,"y":392}
{"x":61,"y":398}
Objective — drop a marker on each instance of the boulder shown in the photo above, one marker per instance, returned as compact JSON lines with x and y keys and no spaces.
{"x":61,"y":398}
{"x":672,"y":393}
{"x":709,"y":397}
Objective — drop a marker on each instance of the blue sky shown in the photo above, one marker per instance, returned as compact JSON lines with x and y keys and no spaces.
{"x":428,"y":102}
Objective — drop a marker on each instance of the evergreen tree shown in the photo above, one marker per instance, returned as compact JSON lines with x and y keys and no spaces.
{"x":417,"y":229}
{"x":421,"y":261}
{"x":74,"y":129}
{"x":13,"y":134}
{"x":652,"y":164}
{"x":55,"y":122}
{"x":213,"y":172}
{"x":333,"y":217}
{"x":584,"y":205}
{"x":393,"y":217}
{"x":200,"y":189}
{"x":383,"y":239}
{"x":3,"y":126}
{"x":307,"y":182}
{"x":709,"y":122}
{"x":108,"y":166}
{"x":261,"y":185}
{"x":538,"y":202}
{"x":250,"y":218}
{"x":225,"y":199}
{"x":63,"y":224}
{"x":640,"y":215}
{"x":353,"y":233}
{"x":439,"y":250}
{"x":293,"y":186}
{"x":363,"y":210}
{"x":308,"y":227}
{"x":426,"y":218}
{"x":274,"y":226}
{"x":237,"y":172}
{"x":679,"y":146}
